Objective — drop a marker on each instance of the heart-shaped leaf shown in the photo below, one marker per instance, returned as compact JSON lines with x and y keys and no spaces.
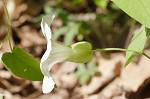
{"x":137,"y":9}
{"x":22,"y":64}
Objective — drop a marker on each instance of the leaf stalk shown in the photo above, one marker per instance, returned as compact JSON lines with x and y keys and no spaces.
{"x":9,"y":25}
{"x":120,"y":49}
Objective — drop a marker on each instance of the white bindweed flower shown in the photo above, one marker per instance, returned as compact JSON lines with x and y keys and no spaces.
{"x":79,"y":52}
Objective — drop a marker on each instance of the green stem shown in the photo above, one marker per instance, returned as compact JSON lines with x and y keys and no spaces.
{"x":120,"y":49}
{"x":9,"y":24}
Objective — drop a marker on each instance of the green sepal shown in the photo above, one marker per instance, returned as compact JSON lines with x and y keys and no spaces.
{"x":82,"y":52}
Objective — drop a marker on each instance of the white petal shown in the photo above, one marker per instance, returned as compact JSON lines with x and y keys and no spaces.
{"x":48,"y":19}
{"x":47,"y":52}
{"x":58,"y":53}
{"x":55,"y":53}
{"x":45,"y":25}
{"x":48,"y":84}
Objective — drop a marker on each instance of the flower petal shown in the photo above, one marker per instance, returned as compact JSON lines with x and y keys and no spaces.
{"x":48,"y":84}
{"x":45,"y":25}
{"x":47,"y":52}
{"x":58,"y":53}
{"x":55,"y":53}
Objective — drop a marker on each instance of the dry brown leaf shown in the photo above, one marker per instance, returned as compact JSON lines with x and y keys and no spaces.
{"x":30,"y":37}
{"x":109,"y":69}
{"x":69,"y":81}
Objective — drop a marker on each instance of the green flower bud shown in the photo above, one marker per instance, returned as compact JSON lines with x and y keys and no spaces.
{"x":82,"y":52}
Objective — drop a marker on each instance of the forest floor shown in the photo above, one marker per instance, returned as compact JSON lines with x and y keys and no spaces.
{"x":114,"y":81}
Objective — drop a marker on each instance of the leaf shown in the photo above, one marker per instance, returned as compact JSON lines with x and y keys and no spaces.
{"x":84,"y":74}
{"x":72,"y":32}
{"x":137,"y":9}
{"x":85,"y":79}
{"x":59,"y":32}
{"x":22,"y":64}
{"x":101,"y":3}
{"x":93,"y":70}
{"x":137,"y":44}
{"x":77,"y":2}
{"x":80,"y":69}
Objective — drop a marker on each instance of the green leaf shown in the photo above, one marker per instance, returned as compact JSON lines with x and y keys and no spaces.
{"x":137,"y":44}
{"x":77,"y":2}
{"x":22,"y":64}
{"x":59,"y":32}
{"x":84,"y":79}
{"x":137,"y":9}
{"x":80,"y":70}
{"x":84,"y":74}
{"x":73,"y":29}
{"x":92,"y":70}
{"x":101,"y":3}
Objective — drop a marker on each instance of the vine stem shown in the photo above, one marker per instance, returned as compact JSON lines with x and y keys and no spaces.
{"x":9,"y":25}
{"x":120,"y":49}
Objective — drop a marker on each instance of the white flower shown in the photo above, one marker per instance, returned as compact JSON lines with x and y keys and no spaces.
{"x":78,"y":52}
{"x":55,"y":53}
